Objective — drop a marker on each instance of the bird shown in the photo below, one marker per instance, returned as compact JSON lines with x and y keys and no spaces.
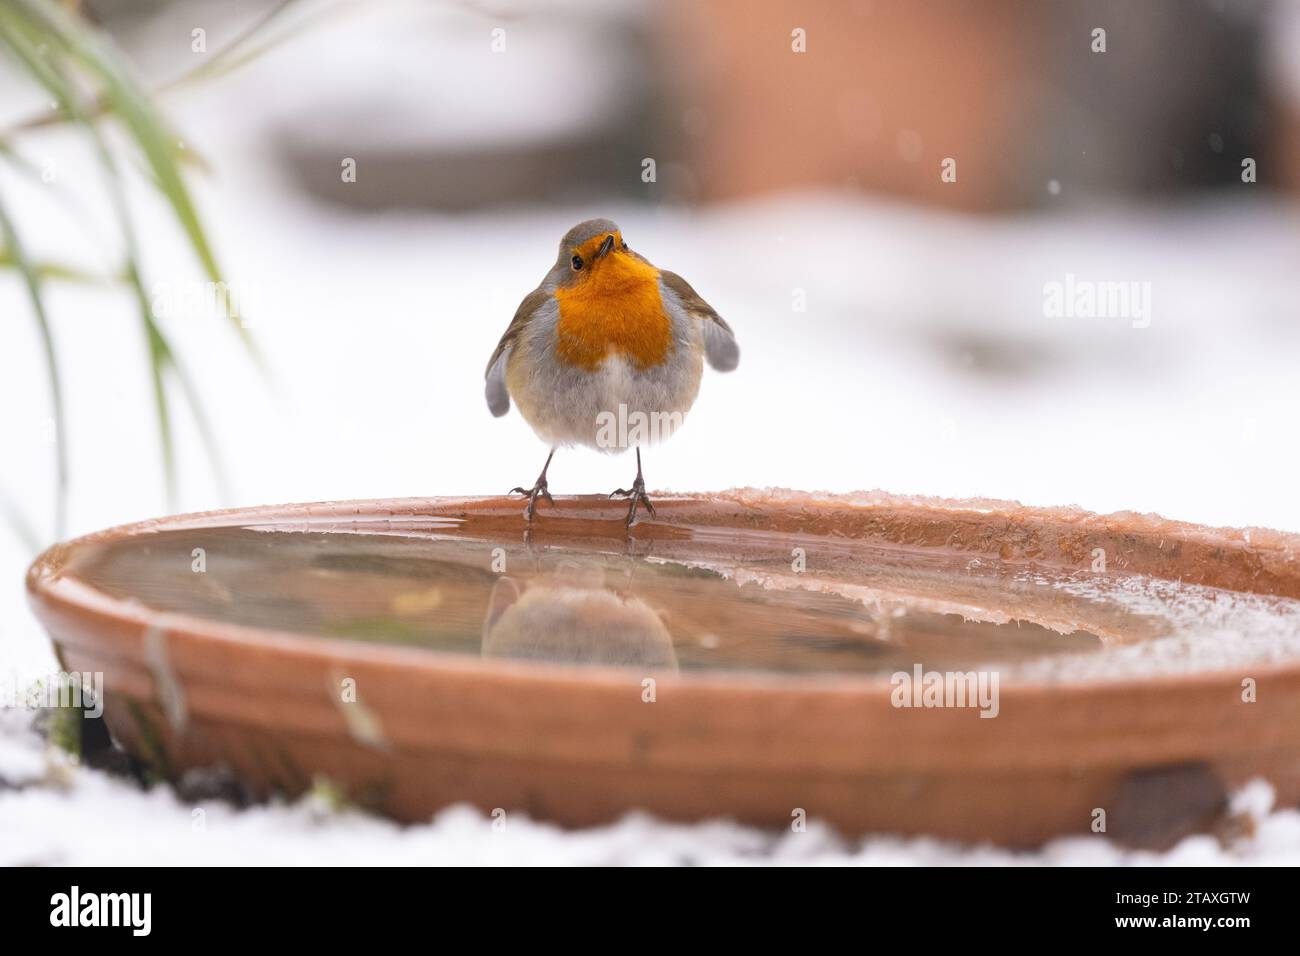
{"x":608,"y":351}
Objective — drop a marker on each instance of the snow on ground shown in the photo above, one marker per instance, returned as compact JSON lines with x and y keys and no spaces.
{"x":922,"y":362}
{"x":64,"y":815}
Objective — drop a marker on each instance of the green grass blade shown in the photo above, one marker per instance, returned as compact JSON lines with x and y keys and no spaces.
{"x":21,"y":35}
{"x":171,"y":362}
{"x":87,"y":78}
{"x":247,"y":46}
{"x":19,"y":524}
{"x":50,"y":271}
{"x":244,"y":48}
{"x":21,"y":163}
{"x":32,"y":282}
{"x":98,"y":57}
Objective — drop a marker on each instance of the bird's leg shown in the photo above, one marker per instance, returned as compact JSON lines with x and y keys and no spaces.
{"x":538,"y":490}
{"x":636,"y":493}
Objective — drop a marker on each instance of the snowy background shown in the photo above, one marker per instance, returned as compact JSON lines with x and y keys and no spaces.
{"x":923,"y":363}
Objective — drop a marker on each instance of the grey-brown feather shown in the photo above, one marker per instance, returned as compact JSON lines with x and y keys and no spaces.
{"x":720,"y":347}
{"x":498,"y":398}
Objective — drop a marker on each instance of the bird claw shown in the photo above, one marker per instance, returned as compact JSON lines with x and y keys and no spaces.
{"x":636,"y":496}
{"x":532,"y":494}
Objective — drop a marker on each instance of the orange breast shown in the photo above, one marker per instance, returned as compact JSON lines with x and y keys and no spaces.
{"x":616,"y":310}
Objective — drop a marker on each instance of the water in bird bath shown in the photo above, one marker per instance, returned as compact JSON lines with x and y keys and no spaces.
{"x":716,"y":600}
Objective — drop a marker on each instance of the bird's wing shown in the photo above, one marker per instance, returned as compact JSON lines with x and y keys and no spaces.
{"x":498,"y":398}
{"x":720,"y":346}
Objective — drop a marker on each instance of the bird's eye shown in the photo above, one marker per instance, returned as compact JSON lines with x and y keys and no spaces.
{"x":576,"y":261}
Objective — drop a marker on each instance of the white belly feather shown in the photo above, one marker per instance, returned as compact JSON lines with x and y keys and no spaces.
{"x":613,"y":407}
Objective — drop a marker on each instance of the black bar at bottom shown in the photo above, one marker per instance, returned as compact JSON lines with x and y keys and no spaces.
{"x":331,"y":905}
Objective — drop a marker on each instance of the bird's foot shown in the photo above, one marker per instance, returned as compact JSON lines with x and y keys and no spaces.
{"x":636,"y":495}
{"x":532,"y":494}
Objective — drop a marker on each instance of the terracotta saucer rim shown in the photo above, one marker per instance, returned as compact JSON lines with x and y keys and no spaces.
{"x":50,"y":593}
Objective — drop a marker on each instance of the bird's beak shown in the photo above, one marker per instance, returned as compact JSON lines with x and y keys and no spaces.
{"x":605,"y":247}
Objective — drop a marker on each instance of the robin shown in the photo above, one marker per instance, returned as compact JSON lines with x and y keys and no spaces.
{"x":607,"y":341}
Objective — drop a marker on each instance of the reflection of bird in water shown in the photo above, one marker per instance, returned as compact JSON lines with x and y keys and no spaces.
{"x":575,"y":625}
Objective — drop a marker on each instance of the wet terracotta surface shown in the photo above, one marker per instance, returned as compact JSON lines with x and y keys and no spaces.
{"x":509,"y":668}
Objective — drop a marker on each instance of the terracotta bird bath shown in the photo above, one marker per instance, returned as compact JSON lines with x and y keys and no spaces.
{"x":969,"y":669}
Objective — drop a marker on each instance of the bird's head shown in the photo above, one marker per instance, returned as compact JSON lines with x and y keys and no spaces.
{"x":592,"y":251}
